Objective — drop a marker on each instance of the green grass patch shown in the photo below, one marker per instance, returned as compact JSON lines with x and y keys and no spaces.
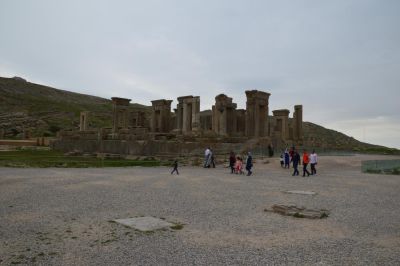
{"x":48,"y":158}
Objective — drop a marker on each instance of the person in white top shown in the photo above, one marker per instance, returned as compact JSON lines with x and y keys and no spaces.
{"x":207,"y":154}
{"x":313,"y":162}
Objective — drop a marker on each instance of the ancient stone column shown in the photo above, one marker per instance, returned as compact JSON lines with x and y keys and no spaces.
{"x":298,"y":122}
{"x":241,"y":121}
{"x":196,"y":113}
{"x":120,"y":113}
{"x":180,"y":113}
{"x":161,"y":116}
{"x":224,"y":115}
{"x":187,"y":116}
{"x":282,"y":123}
{"x":84,"y":121}
{"x":257,"y":113}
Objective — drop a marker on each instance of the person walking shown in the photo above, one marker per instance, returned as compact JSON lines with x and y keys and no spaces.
{"x":287,"y":159}
{"x":306,"y":160}
{"x":207,"y":158}
{"x":295,"y":161}
{"x":232,"y":161}
{"x":239,"y":166}
{"x":282,"y":158}
{"x":212,"y":159}
{"x":313,"y":162}
{"x":291,"y":152}
{"x":249,"y":163}
{"x":175,"y":165}
{"x":270,"y":150}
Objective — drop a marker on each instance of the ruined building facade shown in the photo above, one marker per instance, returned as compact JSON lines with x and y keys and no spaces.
{"x":186,"y":129}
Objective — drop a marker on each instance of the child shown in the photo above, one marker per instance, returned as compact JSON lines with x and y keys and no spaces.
{"x":239,"y":166}
{"x":281,"y":160}
{"x":175,"y":165}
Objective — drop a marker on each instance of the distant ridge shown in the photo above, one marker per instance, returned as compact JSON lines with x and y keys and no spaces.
{"x":45,"y":110}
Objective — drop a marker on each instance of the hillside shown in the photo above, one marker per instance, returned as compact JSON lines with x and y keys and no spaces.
{"x":44,"y":110}
{"x":328,"y":139}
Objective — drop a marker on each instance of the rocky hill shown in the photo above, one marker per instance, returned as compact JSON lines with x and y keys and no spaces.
{"x":328,"y":139}
{"x":43,"y":111}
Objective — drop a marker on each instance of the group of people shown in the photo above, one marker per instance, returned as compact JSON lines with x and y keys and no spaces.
{"x":294,"y":157}
{"x":288,"y":156}
{"x":236,"y":163}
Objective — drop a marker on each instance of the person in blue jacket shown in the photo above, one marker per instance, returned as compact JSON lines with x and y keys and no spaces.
{"x":287,"y":159}
{"x":249,"y":163}
{"x":296,"y":161}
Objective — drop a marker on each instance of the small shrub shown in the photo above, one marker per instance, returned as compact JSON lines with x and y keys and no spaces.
{"x":177,"y":227}
{"x":298,"y":215}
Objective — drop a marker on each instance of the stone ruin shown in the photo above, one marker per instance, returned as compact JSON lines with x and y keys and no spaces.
{"x":298,"y":212}
{"x":186,"y":130}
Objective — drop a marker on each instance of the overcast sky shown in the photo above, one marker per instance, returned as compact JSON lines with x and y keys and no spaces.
{"x":340,"y":59}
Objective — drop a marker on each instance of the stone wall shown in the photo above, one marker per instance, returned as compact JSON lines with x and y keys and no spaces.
{"x":144,"y":148}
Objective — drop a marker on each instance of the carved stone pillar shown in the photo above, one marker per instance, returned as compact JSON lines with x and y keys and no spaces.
{"x":84,"y":121}
{"x":282,"y":123}
{"x":224,"y":116}
{"x":298,"y":122}
{"x":161,"y":116}
{"x":257,"y":113}
{"x":120,"y":113}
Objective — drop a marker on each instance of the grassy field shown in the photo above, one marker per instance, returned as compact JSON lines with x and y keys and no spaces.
{"x":46,"y":158}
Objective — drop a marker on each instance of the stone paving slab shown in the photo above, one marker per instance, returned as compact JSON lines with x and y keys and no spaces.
{"x":147,"y":223}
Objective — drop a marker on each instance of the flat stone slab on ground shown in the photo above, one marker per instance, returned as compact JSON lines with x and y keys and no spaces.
{"x":147,"y":223}
{"x":301,"y":192}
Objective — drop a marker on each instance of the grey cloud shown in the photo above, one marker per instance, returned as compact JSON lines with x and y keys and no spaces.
{"x":339,"y":58}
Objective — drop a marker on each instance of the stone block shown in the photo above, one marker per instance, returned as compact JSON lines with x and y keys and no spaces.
{"x":145,"y":224}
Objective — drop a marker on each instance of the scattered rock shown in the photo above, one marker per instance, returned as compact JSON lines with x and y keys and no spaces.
{"x":298,"y":212}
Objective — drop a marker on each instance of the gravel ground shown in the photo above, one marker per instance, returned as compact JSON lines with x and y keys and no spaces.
{"x":62,"y":216}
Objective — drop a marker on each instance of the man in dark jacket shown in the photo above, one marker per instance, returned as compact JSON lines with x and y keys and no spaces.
{"x":249,"y":163}
{"x":232,"y":161}
{"x":296,"y":161}
{"x":175,"y":165}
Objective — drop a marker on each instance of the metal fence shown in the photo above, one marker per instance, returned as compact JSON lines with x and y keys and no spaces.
{"x":381,"y":166}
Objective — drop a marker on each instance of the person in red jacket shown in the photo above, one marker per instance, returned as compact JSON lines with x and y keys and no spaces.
{"x":306,"y":160}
